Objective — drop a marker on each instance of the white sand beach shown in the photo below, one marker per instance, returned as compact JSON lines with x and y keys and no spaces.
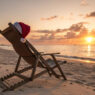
{"x":80,"y":75}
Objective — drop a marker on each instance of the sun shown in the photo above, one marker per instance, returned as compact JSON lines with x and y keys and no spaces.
{"x":89,"y":39}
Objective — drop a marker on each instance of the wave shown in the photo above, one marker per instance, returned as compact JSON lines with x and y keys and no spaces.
{"x":76,"y":57}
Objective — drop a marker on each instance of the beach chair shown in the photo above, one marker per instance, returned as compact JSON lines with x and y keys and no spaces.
{"x":31,"y":56}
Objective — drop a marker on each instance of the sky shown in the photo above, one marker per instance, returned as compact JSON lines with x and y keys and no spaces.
{"x":51,"y":21}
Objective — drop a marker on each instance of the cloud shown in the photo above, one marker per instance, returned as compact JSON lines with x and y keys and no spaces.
{"x":84,"y":3}
{"x":70,"y":35}
{"x":49,"y":18}
{"x":61,"y":30}
{"x":74,"y":31}
{"x":92,"y":14}
{"x":77,"y":27}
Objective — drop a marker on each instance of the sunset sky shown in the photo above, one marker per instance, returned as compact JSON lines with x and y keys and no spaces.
{"x":52,"y":21}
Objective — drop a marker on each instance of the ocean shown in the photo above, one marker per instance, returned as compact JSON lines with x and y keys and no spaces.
{"x":77,"y":52}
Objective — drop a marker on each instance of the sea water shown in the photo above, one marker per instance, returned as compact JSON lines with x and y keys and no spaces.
{"x":83,"y":52}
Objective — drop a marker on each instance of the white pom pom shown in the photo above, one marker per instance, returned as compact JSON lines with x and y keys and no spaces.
{"x":23,"y":40}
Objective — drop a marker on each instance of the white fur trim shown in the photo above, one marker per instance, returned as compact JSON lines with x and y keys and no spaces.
{"x":18,"y":27}
{"x":23,"y":40}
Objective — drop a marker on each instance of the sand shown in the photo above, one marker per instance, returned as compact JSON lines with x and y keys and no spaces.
{"x":80,"y":75}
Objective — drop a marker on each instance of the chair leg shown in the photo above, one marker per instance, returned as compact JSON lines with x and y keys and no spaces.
{"x":18,"y":63}
{"x":63,"y":75}
{"x":34,"y":69}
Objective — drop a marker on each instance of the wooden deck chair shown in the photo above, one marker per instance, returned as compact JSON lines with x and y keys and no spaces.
{"x":31,"y":56}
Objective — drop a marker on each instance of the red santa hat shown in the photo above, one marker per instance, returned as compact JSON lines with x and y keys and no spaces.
{"x":25,"y":29}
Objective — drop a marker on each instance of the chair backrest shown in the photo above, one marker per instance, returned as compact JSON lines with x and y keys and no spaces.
{"x":13,"y":36}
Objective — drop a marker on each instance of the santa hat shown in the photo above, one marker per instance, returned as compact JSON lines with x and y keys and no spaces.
{"x":23,"y":29}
